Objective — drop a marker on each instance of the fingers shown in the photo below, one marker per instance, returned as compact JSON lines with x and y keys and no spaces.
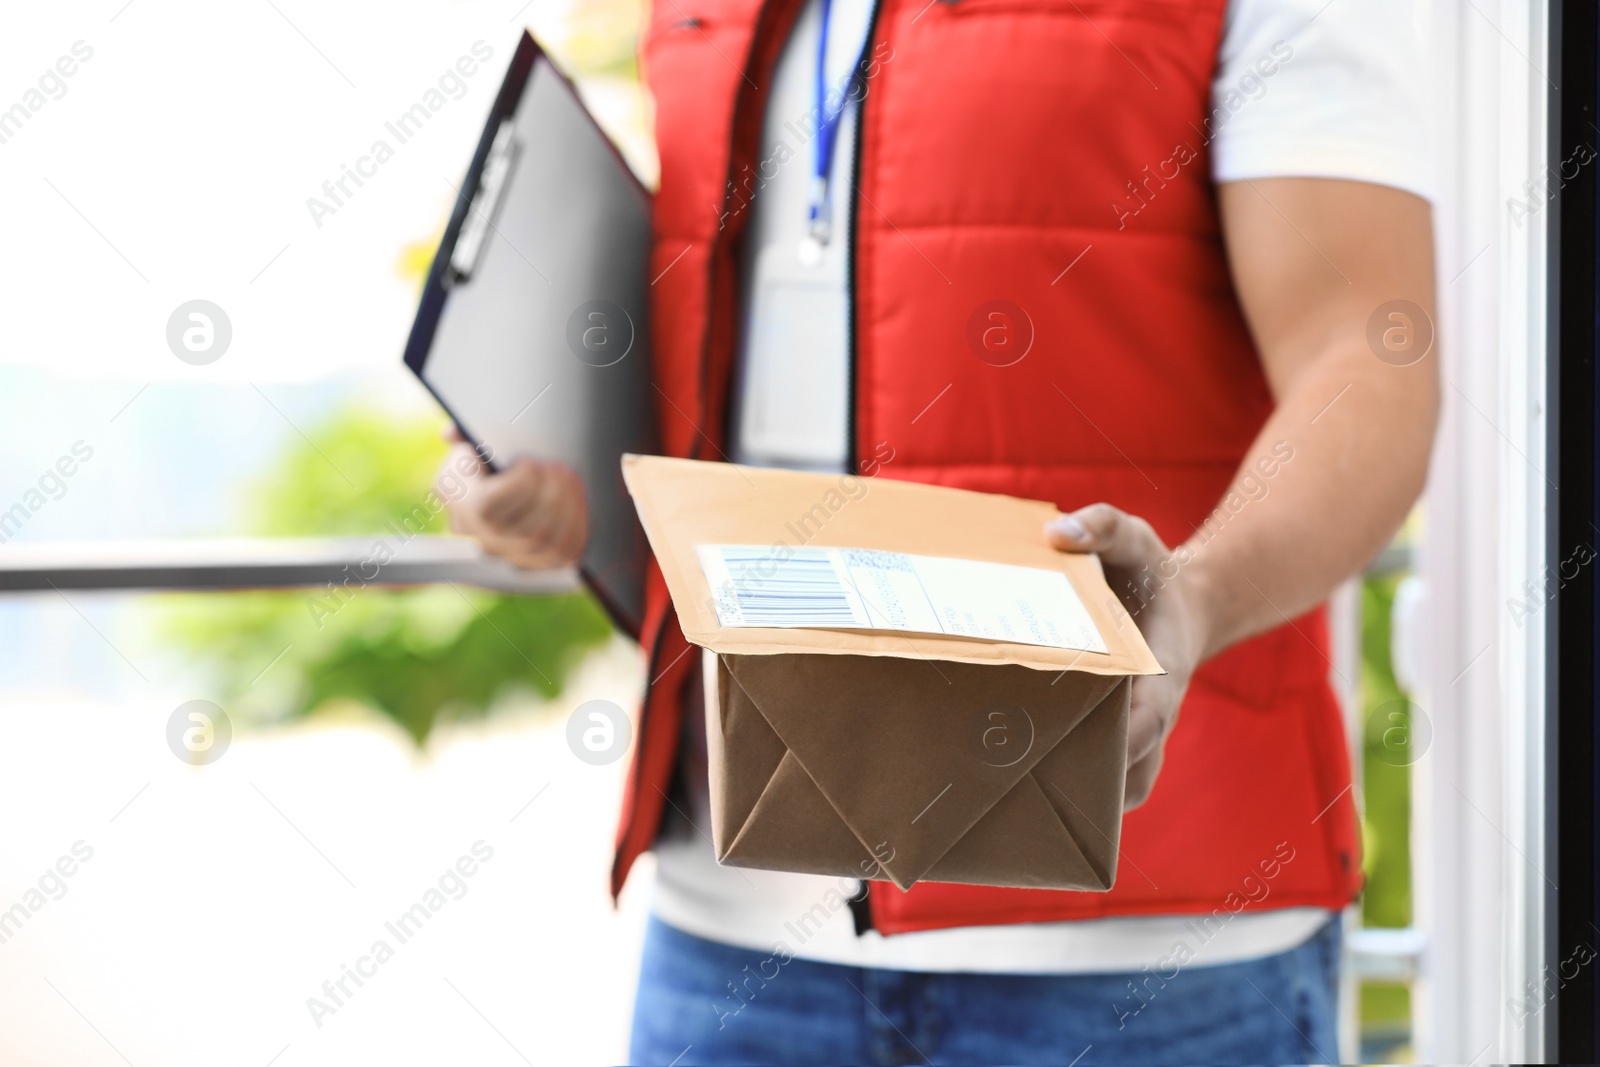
{"x":531,"y":513}
{"x":1152,"y":715}
{"x":570,"y":531}
{"x":1141,"y":780}
{"x":1128,"y":546}
{"x":1147,"y":730}
{"x":512,"y":496}
{"x":546,"y":504}
{"x":1122,"y":540}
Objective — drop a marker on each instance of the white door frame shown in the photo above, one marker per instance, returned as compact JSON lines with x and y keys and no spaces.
{"x":1480,"y":856}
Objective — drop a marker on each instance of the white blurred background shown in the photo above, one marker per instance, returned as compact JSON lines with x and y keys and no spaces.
{"x":175,"y":164}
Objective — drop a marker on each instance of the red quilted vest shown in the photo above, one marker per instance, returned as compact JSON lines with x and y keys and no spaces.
{"x":1001,"y":141}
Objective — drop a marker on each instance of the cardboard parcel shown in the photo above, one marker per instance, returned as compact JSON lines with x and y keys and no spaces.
{"x":895,"y":753}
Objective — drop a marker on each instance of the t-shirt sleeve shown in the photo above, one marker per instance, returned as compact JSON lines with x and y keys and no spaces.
{"x":1321,"y":89}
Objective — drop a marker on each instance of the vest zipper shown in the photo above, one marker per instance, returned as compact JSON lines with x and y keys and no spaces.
{"x":851,"y":455}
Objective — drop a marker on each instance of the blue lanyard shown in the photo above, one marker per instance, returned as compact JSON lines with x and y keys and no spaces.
{"x":820,"y":209}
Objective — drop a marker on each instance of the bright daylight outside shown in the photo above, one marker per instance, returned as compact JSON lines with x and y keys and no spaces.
{"x":384,"y":742}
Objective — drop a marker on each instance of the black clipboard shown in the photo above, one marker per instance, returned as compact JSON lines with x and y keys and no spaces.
{"x":531,"y":330}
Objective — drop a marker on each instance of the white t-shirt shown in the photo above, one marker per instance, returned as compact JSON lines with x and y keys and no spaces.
{"x":1346,"y":103}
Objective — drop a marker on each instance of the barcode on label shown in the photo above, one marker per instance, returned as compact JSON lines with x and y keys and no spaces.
{"x":803,"y":589}
{"x":871,"y":589}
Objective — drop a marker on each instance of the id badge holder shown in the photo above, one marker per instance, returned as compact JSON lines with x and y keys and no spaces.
{"x":796,"y":366}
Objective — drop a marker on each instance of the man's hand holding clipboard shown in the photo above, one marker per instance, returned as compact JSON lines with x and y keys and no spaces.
{"x":531,"y":333}
{"x":531,"y":513}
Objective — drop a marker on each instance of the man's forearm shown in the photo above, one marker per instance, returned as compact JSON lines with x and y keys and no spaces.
{"x":1335,"y":279}
{"x":1329,"y":479}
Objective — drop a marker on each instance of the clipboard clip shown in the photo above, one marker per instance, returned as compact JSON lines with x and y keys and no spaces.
{"x":475,"y":228}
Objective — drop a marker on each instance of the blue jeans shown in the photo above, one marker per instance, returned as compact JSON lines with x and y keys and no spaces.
{"x":1277,"y":1009}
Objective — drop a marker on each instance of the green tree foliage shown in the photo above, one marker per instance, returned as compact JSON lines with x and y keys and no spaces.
{"x":1386,"y":900}
{"x":415,"y":655}
{"x":354,"y":471}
